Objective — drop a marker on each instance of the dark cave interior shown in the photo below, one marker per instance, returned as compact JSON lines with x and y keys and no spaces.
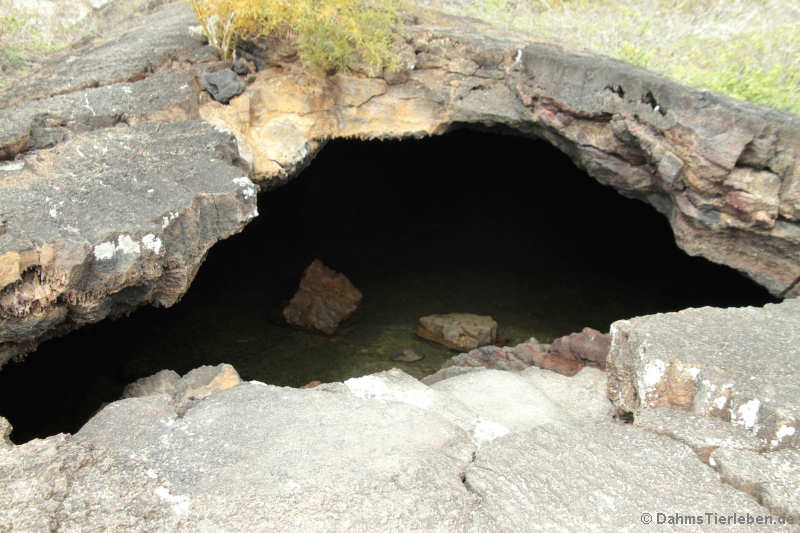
{"x":472,"y":221}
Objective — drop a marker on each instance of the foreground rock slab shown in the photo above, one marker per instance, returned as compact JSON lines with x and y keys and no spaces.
{"x":736,"y":364}
{"x":167,"y":192}
{"x":323,"y":301}
{"x":614,"y":477}
{"x":483,"y":451}
{"x":458,"y":331}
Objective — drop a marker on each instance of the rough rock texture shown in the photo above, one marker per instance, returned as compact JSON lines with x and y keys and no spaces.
{"x":116,"y":191}
{"x":582,"y":395}
{"x":483,"y":451}
{"x":737,"y":364}
{"x":725,"y":173}
{"x":612,"y":475}
{"x":222,"y":85}
{"x":323,"y":301}
{"x":703,"y":434}
{"x":773,"y":478}
{"x":185,"y":391}
{"x":43,"y":123}
{"x":298,"y":460}
{"x":134,"y":50}
{"x":589,"y":346}
{"x":519,"y":357}
{"x":173,"y":191}
{"x":458,"y":331}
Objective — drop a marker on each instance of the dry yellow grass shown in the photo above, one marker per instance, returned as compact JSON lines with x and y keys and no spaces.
{"x":329,"y":34}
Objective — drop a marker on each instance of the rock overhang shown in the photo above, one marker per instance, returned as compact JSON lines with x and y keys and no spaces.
{"x":725,"y":173}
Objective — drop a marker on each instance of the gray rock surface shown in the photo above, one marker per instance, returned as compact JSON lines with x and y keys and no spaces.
{"x":169,"y":191}
{"x":183,"y":392}
{"x":222,"y":85}
{"x":459,"y":331}
{"x":583,"y":395}
{"x":773,"y":478}
{"x":380,"y":453}
{"x":448,"y":372}
{"x":171,"y":95}
{"x":510,"y":402}
{"x":597,"y":479}
{"x":736,"y":364}
{"x":130,"y":52}
{"x":59,"y":484}
{"x":710,"y":164}
{"x":274,"y":459}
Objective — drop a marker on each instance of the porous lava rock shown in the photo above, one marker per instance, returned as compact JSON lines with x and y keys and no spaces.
{"x":589,"y":346}
{"x":458,"y":331}
{"x":725,"y":174}
{"x":323,"y":301}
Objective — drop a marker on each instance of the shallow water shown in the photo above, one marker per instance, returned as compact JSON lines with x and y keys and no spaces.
{"x":470,"y":222}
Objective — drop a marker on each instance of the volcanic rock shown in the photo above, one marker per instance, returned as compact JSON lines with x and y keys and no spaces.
{"x":589,"y":346}
{"x":723,"y":172}
{"x":222,"y":85}
{"x":519,"y":357}
{"x":458,"y":331}
{"x":323,"y":301}
{"x":738,"y":364}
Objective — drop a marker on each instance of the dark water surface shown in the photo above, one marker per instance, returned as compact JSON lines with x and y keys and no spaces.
{"x":468,"y":222}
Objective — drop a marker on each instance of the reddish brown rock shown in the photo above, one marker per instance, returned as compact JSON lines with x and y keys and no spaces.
{"x":589,"y":346}
{"x":324,"y":300}
{"x":520,"y":357}
{"x":567,"y":363}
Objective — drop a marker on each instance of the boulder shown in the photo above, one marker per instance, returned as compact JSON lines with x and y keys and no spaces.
{"x":736,"y":364}
{"x":458,"y":331}
{"x":323,"y":301}
{"x":222,"y":85}
{"x":184,"y":391}
{"x":518,"y":357}
{"x":408,"y":356}
{"x":589,"y":346}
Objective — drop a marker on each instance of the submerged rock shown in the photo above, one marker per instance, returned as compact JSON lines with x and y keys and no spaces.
{"x":458,"y":331}
{"x":408,"y":356}
{"x":323,"y":301}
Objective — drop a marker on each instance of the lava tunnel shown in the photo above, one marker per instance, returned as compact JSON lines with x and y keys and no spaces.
{"x":472,"y":221}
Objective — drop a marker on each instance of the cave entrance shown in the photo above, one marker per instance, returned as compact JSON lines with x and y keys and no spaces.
{"x":472,"y":221}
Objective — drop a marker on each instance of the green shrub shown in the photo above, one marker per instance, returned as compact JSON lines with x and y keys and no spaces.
{"x":329,"y":34}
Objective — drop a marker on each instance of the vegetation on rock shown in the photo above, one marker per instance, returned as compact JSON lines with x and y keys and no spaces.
{"x":329,"y":34}
{"x":748,"y":49}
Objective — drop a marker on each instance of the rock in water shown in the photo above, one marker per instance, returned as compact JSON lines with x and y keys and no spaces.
{"x":324,"y":300}
{"x":408,"y":356}
{"x":223,"y":85}
{"x":459,"y":331}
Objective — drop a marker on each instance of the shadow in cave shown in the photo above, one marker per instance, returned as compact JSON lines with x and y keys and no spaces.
{"x":468,"y":222}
